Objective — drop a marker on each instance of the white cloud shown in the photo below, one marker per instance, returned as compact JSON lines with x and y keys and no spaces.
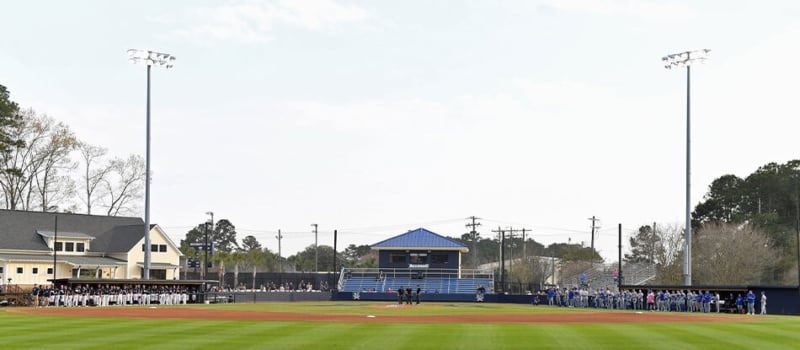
{"x":254,"y":20}
{"x":635,"y":8}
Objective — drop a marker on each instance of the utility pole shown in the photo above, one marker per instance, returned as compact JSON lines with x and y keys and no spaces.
{"x":511,"y":232}
{"x":524,"y":245}
{"x":280,"y":262}
{"x":620,"y":276}
{"x":511,"y":252}
{"x":316,"y":249}
{"x":594,"y":220}
{"x":501,"y":238}
{"x":474,"y":234}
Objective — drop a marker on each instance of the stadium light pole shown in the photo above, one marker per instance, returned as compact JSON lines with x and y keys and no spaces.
{"x":680,"y":60}
{"x":205,"y":246}
{"x":149,"y":58}
{"x":316,"y":248}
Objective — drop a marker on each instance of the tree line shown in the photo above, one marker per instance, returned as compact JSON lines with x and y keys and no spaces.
{"x":745,"y":231}
{"x":45,"y":167}
{"x":248,"y":255}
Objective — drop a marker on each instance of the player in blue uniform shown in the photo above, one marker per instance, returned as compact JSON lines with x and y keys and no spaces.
{"x":751,"y":303}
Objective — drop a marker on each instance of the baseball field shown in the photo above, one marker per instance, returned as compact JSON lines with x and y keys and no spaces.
{"x":385,"y":326}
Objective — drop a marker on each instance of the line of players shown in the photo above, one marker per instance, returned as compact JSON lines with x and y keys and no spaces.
{"x":663,"y":300}
{"x":108,"y":295}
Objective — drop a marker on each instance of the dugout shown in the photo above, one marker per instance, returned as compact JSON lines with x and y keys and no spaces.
{"x":196,"y":287}
{"x":781,"y":300}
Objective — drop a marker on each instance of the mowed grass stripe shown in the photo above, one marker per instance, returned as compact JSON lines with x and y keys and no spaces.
{"x":632,"y":336}
{"x":701,"y":335}
{"x":767,"y":335}
{"x":612,"y":336}
{"x":59,"y":330}
{"x":22,"y":331}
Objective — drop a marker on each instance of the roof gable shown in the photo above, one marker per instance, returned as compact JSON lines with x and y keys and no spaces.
{"x":75,"y":235}
{"x":420,"y":238}
{"x":25,"y":230}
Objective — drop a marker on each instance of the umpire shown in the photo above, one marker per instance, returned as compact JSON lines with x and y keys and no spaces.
{"x":400,"y":292}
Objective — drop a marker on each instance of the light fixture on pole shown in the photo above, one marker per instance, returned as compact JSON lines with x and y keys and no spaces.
{"x":150,"y":58}
{"x":680,"y":60}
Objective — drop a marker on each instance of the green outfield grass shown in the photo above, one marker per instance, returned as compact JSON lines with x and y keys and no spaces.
{"x":20,"y":331}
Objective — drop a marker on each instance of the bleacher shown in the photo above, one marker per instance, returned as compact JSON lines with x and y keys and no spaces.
{"x":601,"y":276}
{"x":431,"y":282}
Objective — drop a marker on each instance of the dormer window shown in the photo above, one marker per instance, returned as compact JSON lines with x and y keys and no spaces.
{"x":59,"y":246}
{"x":80,"y":247}
{"x":70,"y":247}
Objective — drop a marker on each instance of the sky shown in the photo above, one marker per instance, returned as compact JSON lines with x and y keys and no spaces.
{"x":378,"y":117}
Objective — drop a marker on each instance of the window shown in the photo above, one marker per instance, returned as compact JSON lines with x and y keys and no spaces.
{"x":85,"y":273}
{"x":19,"y":270}
{"x":35,"y":270}
{"x":49,"y":270}
{"x":419,"y":258}
{"x":59,"y":246}
{"x":162,"y":248}
{"x":156,"y":274}
{"x":397,"y":258}
{"x":439,"y":258}
{"x":80,"y":247}
{"x":70,"y":247}
{"x":1,"y":269}
{"x":154,"y":248}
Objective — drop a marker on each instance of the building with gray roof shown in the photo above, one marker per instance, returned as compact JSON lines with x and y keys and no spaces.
{"x":36,"y":247}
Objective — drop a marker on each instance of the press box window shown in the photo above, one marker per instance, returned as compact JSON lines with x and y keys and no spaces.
{"x":439,"y":258}
{"x":397,"y":258}
{"x":419,"y":258}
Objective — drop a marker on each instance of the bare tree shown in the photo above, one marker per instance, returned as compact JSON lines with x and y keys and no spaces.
{"x":19,"y":161}
{"x":94,"y":174}
{"x":531,"y":271}
{"x":669,"y":265}
{"x":34,"y":165}
{"x":732,"y":254}
{"x":124,"y":184}
{"x":51,"y":184}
